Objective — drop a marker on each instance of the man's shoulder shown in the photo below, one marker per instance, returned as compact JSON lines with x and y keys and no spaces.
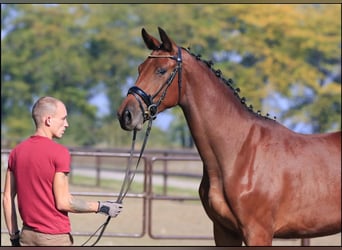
{"x":41,"y":143}
{"x":21,"y":144}
{"x":58,"y":146}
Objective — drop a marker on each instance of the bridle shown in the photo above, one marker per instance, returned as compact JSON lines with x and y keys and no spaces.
{"x":152,"y":107}
{"x":149,"y":114}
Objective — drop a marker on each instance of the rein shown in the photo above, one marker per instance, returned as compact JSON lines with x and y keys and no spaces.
{"x":129,"y":176}
{"x":149,"y":114}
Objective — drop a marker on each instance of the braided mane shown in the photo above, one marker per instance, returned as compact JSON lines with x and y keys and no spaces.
{"x":229,"y":82}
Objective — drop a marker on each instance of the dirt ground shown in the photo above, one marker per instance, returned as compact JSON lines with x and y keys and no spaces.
{"x":168,"y":218}
{"x":171,"y":218}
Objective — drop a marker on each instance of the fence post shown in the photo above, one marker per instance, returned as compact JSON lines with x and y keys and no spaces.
{"x":98,"y":163}
{"x":165,"y":174}
{"x":149,"y":195}
{"x":305,"y":242}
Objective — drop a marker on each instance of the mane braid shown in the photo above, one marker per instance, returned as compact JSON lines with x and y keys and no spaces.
{"x":230,"y":83}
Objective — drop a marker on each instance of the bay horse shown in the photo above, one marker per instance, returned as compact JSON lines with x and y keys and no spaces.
{"x":260,"y":179}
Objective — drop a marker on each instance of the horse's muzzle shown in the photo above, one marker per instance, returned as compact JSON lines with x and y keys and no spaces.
{"x":130,"y":117}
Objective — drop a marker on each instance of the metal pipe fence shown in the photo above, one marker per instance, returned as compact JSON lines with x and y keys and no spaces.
{"x":154,"y":163}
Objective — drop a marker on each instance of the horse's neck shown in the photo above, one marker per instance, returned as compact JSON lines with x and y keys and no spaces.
{"x":216,"y":118}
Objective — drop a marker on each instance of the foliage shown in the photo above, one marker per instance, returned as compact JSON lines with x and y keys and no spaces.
{"x":69,"y":50}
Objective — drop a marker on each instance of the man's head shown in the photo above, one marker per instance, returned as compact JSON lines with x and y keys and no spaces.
{"x":50,"y":116}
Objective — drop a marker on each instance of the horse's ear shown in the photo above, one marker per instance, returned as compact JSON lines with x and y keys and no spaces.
{"x":151,"y":42}
{"x":167,"y":43}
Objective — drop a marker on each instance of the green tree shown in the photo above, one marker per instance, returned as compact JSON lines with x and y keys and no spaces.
{"x":271,"y":51}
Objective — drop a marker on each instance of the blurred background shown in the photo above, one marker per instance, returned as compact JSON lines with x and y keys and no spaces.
{"x":286,"y":59}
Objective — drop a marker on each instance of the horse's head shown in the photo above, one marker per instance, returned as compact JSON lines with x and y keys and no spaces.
{"x":158,"y":85}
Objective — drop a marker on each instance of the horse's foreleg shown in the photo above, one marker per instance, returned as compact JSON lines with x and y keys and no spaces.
{"x":226,"y":237}
{"x":257,"y":236}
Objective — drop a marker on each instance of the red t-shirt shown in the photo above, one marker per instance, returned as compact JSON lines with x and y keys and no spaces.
{"x":34,"y":163}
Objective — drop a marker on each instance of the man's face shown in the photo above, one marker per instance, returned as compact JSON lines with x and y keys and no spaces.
{"x":58,"y":122}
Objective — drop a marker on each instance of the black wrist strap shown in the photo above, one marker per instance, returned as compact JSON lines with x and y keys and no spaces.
{"x":16,"y":233}
{"x":15,"y":242}
{"x":104,"y":209}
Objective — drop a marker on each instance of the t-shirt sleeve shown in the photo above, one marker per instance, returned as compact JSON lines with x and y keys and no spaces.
{"x":63,"y":160}
{"x":11,"y":161}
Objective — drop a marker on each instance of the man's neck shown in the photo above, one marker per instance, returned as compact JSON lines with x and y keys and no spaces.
{"x":42,"y":132}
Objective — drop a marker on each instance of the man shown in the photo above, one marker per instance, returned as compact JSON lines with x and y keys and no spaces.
{"x":38,"y":174}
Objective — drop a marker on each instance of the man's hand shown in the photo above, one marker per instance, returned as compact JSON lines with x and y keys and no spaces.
{"x":15,"y":242}
{"x":15,"y":237}
{"x":109,"y":208}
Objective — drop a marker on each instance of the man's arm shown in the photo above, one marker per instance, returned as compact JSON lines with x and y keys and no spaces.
{"x":9,"y":205}
{"x":65,"y":201}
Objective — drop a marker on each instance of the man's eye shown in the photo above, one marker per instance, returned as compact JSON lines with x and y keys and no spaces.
{"x":161,"y":71}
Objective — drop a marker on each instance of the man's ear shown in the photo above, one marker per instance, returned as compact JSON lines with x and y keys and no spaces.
{"x":48,"y":121}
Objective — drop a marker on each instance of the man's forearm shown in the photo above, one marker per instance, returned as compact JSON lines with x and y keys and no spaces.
{"x":82,"y":206}
{"x":10,"y":215}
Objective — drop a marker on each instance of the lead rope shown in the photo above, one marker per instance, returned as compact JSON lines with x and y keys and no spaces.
{"x":129,"y":176}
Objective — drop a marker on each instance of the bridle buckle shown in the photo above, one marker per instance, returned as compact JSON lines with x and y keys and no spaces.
{"x":151,"y":111}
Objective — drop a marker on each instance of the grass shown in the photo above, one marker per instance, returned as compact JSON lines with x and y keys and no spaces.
{"x":136,"y":187}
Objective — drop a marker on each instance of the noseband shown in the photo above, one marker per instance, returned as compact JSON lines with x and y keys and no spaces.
{"x":152,"y":107}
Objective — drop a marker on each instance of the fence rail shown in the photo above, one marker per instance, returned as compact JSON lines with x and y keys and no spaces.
{"x":149,"y":161}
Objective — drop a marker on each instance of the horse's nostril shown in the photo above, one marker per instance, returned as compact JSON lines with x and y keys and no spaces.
{"x":127,"y":116}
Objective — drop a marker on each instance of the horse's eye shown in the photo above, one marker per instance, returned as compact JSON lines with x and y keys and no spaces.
{"x":161,"y":71}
